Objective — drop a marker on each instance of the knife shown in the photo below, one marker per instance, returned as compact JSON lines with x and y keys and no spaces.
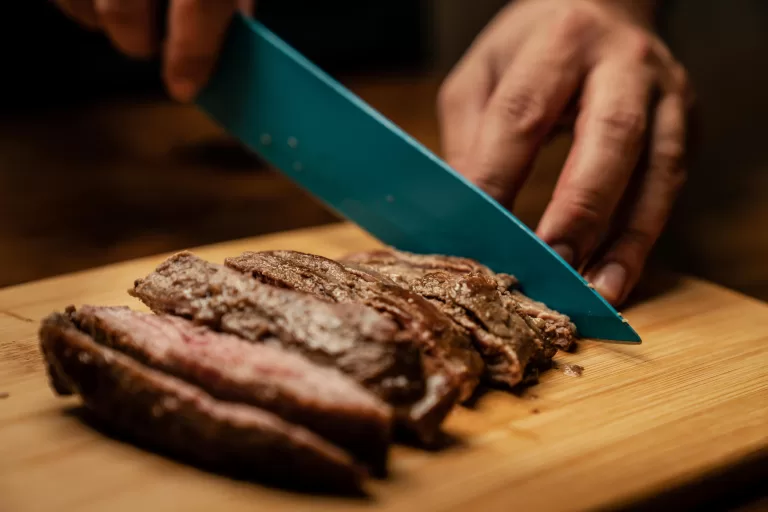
{"x":366,"y":169}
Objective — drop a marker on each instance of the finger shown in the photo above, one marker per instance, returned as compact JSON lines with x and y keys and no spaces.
{"x":130,"y":24}
{"x":247,"y":7}
{"x":196,"y":30}
{"x":525,"y":105}
{"x":461,"y":102}
{"x":618,"y":271}
{"x":608,"y":140}
{"x":81,"y":11}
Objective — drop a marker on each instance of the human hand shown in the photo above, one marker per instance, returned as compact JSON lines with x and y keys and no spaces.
{"x":518,"y":80}
{"x":195,"y":33}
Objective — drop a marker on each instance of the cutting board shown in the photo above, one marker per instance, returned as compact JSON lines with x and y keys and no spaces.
{"x":690,"y":403}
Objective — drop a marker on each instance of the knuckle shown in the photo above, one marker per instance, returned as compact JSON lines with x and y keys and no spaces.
{"x":622,"y":127}
{"x":575,"y":23}
{"x":668,"y":163}
{"x":525,"y":112}
{"x":675,"y":178}
{"x":636,"y":240}
{"x":582,"y":208}
{"x":640,"y":46}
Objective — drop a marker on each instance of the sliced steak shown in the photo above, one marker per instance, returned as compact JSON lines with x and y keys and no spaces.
{"x":448,"y":351}
{"x":473,"y":301}
{"x":373,"y":349}
{"x":556,"y":329}
{"x":180,"y":418}
{"x":406,"y":267}
{"x":229,"y":368}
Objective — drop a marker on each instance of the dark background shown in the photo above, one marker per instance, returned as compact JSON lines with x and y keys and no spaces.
{"x":49,"y":60}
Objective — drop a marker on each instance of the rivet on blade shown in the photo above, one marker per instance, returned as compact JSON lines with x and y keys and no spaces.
{"x":297,"y":166}
{"x":292,"y":142}
{"x":390,"y":199}
{"x":265,"y":139}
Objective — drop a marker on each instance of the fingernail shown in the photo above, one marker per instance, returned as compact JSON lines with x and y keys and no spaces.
{"x":565,"y":252}
{"x":609,"y":281}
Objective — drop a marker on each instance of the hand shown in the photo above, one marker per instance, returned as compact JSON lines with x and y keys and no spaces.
{"x":518,"y":80}
{"x":195,"y":33}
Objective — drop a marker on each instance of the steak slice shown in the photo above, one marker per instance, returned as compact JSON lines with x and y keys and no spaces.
{"x":556,"y":329}
{"x":405,"y":267}
{"x":372,"y":349}
{"x":181,"y":418}
{"x":229,"y":368}
{"x":447,"y":350}
{"x":473,"y":301}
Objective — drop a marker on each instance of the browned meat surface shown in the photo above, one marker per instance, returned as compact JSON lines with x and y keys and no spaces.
{"x":554,"y":327}
{"x":447,"y":350}
{"x":474,"y":302}
{"x":373,"y":349}
{"x":181,"y":418}
{"x":229,"y":368}
{"x":406,"y":267}
{"x":556,"y":330}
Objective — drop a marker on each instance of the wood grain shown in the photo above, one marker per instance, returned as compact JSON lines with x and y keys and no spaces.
{"x":692,"y":399}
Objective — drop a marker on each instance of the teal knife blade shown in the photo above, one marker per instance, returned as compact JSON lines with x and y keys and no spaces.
{"x":359,"y":164}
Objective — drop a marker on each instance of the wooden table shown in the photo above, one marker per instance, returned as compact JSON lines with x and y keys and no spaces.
{"x":689,"y":405}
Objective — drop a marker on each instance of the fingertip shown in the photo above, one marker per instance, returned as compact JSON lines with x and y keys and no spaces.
{"x":183,"y":90}
{"x":138,"y":49}
{"x":185,"y":73}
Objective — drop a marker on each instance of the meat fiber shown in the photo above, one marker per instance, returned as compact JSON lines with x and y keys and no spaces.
{"x":372,"y":349}
{"x":229,"y":368}
{"x":555,"y":329}
{"x":474,"y":302}
{"x":448,"y":351}
{"x":376,"y":351}
{"x":182,"y":419}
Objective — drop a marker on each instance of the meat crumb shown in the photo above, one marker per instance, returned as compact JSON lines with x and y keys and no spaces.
{"x":535,"y":411}
{"x":4,"y":394}
{"x":573,"y":370}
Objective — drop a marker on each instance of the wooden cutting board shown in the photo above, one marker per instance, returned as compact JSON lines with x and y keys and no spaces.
{"x":691,"y":401}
